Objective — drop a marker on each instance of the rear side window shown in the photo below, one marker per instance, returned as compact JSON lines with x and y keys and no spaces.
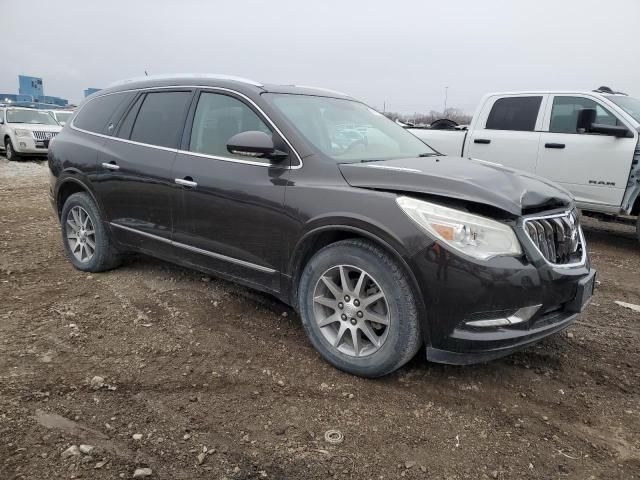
{"x":217,"y":119}
{"x":127,"y":124}
{"x":514,"y":113}
{"x":160,"y":119}
{"x":98,"y":114}
{"x":565,"y":110}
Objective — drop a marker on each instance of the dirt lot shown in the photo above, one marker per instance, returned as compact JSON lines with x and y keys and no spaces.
{"x":204,"y":379}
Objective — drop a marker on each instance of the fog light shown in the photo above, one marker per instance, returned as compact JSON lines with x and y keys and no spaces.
{"x":23,"y":145}
{"x":522,"y":315}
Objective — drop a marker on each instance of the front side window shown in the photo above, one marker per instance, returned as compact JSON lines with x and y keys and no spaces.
{"x":97,"y":113}
{"x":346,"y":130}
{"x":514,"y":113}
{"x":218,"y":118}
{"x":32,"y":117}
{"x":565,"y":111}
{"x":160,"y":119}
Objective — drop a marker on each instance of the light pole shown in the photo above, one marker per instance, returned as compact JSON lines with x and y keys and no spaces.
{"x":446,"y":92}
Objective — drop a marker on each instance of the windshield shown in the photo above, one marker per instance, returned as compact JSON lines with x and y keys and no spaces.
{"x":30,"y":116}
{"x":63,"y":117}
{"x":346,"y":130}
{"x":628,"y":104}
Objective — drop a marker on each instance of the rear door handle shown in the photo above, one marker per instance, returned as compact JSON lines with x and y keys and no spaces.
{"x":110,"y":166}
{"x":186,"y":182}
{"x":554,"y":145}
{"x":484,"y":141}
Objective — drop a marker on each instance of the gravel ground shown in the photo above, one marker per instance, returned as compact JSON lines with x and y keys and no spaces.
{"x":160,"y":368}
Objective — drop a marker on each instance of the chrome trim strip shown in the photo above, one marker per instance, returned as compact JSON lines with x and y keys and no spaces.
{"x":110,"y":166}
{"x":204,"y":87}
{"x":522,"y":315}
{"x":579,"y":263}
{"x":218,"y":256}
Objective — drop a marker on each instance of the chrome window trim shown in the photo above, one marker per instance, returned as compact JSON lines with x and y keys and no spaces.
{"x":204,"y":87}
{"x":582,"y":260}
{"x":215,"y":255}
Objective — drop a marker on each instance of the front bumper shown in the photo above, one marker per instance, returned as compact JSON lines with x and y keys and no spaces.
{"x":30,"y":146}
{"x":458,"y":290}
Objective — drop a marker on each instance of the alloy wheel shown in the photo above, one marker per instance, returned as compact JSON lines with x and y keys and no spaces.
{"x":351,"y":310}
{"x":81,"y":234}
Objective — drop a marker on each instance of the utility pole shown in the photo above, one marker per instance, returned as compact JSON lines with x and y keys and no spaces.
{"x":446,"y":92}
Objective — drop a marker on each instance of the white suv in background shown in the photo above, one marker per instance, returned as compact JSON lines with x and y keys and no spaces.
{"x":62,"y":116}
{"x":26,"y":131}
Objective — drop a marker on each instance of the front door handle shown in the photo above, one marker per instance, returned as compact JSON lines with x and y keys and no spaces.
{"x":484,"y":141}
{"x":110,"y":166}
{"x":554,"y":145}
{"x":186,"y":182}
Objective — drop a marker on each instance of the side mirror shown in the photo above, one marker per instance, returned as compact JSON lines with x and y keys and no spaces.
{"x":585,"y":124}
{"x":254,"y":144}
{"x":614,"y":130}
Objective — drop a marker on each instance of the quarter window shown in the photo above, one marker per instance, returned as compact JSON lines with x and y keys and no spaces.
{"x":218,"y":118}
{"x":565,"y":110}
{"x":96,"y":115}
{"x":514,"y":113}
{"x":160,"y":119}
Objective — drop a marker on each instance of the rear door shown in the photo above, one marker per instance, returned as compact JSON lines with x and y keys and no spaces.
{"x":507,"y":131}
{"x":229,"y":209}
{"x":135,"y":182}
{"x":594,"y":167}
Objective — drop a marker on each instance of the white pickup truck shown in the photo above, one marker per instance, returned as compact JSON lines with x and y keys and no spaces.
{"x":586,"y":141}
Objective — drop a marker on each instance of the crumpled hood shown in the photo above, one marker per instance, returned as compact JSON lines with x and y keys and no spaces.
{"x":468,"y":179}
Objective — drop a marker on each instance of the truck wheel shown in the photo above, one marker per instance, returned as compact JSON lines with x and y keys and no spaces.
{"x":358,"y":309}
{"x":86,"y":241}
{"x":9,"y":152}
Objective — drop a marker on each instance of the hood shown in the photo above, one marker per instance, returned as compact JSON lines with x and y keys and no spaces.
{"x":35,"y":127}
{"x":460,"y":178}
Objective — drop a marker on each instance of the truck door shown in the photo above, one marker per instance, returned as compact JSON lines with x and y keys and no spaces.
{"x":594,"y":167}
{"x":507,"y":131}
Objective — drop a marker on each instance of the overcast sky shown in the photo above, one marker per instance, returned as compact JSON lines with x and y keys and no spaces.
{"x":402,"y":53}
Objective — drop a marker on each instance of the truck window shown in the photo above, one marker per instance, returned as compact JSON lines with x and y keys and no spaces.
{"x":564,"y":114}
{"x":514,"y":113}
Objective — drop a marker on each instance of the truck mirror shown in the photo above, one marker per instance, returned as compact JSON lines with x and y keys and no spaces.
{"x":586,"y":117}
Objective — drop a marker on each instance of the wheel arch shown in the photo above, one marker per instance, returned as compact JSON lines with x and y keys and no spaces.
{"x":316,"y":239}
{"x":67,"y":187}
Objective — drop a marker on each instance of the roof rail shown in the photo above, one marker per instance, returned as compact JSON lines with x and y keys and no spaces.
{"x":605,"y":89}
{"x":328,"y":90}
{"x":170,"y":76}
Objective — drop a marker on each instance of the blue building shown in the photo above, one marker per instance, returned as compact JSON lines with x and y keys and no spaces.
{"x":30,"y":86}
{"x":31,"y":90}
{"x":91,"y":91}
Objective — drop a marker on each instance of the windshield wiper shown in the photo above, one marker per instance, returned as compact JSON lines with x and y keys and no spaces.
{"x":422,"y":155}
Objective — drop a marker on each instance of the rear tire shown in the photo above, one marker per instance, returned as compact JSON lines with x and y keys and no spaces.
{"x":9,"y":152}
{"x":86,"y":241}
{"x":344,"y":289}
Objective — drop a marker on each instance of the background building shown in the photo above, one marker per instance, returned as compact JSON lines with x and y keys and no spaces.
{"x":31,"y":90}
{"x":90,"y":91}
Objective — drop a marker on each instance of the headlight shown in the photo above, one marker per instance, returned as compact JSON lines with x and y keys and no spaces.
{"x":473,"y":235}
{"x":21,"y":132}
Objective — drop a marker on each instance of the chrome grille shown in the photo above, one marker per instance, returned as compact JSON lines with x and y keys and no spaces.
{"x":43,"y":135}
{"x":557,"y":237}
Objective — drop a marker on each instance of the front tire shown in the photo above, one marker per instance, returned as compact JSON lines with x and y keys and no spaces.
{"x":358,"y":309}
{"x":9,"y":152}
{"x":86,"y":241}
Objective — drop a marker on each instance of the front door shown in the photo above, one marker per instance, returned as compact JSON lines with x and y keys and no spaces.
{"x":229,"y":209}
{"x":593,"y":167}
{"x":135,"y":166}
